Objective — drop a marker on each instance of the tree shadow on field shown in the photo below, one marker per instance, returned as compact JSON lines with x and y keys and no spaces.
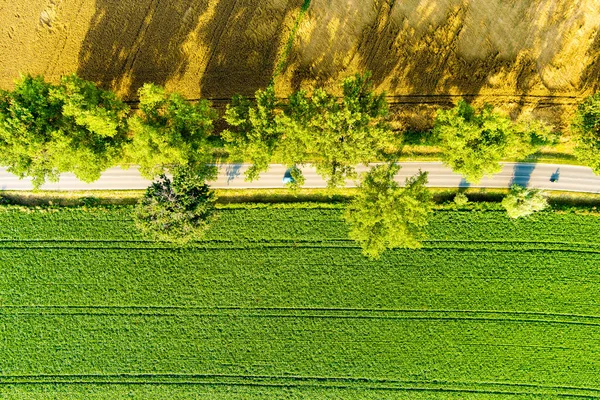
{"x":131,"y":42}
{"x":591,"y":75}
{"x":432,"y":52}
{"x":244,"y":37}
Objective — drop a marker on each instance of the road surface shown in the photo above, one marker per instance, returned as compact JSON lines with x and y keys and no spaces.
{"x":568,"y":177}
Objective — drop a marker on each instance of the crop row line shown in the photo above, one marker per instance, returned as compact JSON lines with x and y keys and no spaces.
{"x":280,"y":308}
{"x":289,"y":314}
{"x":306,"y":381}
{"x":290,"y":245}
{"x":299,"y":240}
{"x":288,"y":309}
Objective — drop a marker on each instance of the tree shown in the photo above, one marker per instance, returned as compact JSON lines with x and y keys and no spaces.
{"x":384,"y":216}
{"x":30,"y":118}
{"x":473,"y":143}
{"x":521,"y":202}
{"x":178,"y":210}
{"x":254,"y":131}
{"x":169,"y":132}
{"x":586,"y":126}
{"x":94,"y":128}
{"x":337,"y":135}
{"x":47,"y":129}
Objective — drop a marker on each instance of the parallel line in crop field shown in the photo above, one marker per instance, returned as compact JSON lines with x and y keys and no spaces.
{"x":295,"y":240}
{"x":370,"y":314}
{"x":241,"y":245}
{"x":305,"y":381}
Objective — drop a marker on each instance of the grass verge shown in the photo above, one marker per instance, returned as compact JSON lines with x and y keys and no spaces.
{"x":480,"y":198}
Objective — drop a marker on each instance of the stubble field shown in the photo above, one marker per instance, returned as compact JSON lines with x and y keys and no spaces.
{"x":524,"y":56}
{"x":278,"y":303}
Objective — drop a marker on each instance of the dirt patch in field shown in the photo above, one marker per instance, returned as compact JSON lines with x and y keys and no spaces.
{"x":525,"y":56}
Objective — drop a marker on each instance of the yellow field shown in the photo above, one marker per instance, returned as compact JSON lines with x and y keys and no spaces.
{"x":522,"y":55}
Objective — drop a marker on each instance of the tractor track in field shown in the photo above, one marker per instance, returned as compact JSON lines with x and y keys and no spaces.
{"x":302,"y":313}
{"x":250,"y":244}
{"x":326,"y":382}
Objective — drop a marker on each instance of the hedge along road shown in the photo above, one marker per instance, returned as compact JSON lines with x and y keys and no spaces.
{"x":566,"y":177}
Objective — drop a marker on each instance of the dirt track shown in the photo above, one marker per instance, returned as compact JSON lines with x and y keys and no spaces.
{"x":537,"y":56}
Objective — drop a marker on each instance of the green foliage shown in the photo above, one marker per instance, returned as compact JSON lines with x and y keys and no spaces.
{"x":47,"y":129}
{"x":179,"y":210}
{"x":586,"y":126}
{"x":94,"y":129}
{"x":278,"y":303}
{"x":254,"y":131}
{"x":337,"y":135}
{"x":30,"y":118}
{"x":474,"y":142}
{"x":386,"y":216}
{"x":334,"y":134}
{"x":521,"y":201}
{"x":461,"y":199}
{"x":169,"y":132}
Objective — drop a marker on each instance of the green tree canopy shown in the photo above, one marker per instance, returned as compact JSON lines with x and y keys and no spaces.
{"x":474,"y":142}
{"x":586,"y":126}
{"x":178,"y":210}
{"x":94,"y":128}
{"x":253,"y":132}
{"x":520,"y":201}
{"x":47,"y":129}
{"x":337,"y":134}
{"x":334,"y":134}
{"x":169,"y":131}
{"x":384,"y":215}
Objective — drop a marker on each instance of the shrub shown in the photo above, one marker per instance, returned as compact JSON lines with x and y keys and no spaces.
{"x":521,"y":202}
{"x":461,"y":199}
{"x":178,"y":210}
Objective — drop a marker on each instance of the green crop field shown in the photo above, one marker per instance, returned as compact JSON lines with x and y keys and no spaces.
{"x":278,"y":303}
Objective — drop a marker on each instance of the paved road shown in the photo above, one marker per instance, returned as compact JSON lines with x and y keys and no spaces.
{"x":571,"y":178}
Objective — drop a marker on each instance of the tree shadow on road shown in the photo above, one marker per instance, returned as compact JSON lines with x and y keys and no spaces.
{"x":522,"y":174}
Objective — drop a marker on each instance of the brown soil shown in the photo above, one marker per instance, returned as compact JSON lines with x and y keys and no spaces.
{"x":525,"y":56}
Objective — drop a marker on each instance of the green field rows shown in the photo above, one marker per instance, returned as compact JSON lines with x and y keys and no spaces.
{"x":278,"y":303}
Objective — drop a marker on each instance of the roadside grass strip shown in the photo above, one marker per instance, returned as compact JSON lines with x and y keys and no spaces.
{"x":278,"y":303}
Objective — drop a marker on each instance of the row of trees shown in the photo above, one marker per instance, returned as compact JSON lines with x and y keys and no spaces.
{"x":74,"y":126}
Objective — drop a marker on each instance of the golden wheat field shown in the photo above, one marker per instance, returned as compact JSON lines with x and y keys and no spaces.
{"x":537,"y":56}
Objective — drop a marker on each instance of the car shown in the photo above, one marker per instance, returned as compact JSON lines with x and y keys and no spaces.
{"x":288,"y":178}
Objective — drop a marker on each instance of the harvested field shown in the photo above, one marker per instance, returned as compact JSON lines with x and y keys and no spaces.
{"x":278,"y":303}
{"x":525,"y":56}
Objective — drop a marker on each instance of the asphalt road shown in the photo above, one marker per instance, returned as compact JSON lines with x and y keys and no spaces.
{"x":569,"y":178}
